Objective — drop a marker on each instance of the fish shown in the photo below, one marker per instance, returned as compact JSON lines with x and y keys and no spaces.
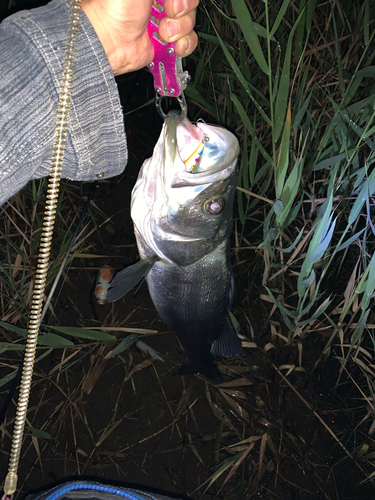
{"x":182,"y":211}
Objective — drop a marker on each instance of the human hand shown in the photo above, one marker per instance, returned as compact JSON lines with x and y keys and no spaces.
{"x":121,"y":26}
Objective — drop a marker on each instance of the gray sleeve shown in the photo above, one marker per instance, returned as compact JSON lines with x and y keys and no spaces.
{"x":32,"y":47}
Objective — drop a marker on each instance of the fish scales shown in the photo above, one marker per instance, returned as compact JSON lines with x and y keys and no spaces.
{"x":182,"y":217}
{"x":203,"y":286}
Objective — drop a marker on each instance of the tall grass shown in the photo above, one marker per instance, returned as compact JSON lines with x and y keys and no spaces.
{"x":294,"y":79}
{"x":21,"y":219}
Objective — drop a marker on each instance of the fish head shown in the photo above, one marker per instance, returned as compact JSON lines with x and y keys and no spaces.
{"x":182,"y":203}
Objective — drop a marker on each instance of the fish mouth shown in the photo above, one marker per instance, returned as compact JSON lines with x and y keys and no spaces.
{"x":216,"y":148}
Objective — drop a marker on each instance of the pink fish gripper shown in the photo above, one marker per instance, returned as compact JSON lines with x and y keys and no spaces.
{"x":169,"y":78}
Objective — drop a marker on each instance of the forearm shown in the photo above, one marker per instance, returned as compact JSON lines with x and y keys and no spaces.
{"x":31,"y":57}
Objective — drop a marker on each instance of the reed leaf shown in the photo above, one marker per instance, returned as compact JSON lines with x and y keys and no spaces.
{"x":247,"y":26}
{"x":283,"y":91}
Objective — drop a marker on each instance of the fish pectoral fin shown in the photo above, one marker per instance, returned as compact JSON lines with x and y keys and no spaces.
{"x":228,"y":343}
{"x":126,"y":279}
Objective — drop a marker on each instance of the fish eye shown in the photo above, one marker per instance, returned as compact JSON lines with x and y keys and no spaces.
{"x":214,"y":206}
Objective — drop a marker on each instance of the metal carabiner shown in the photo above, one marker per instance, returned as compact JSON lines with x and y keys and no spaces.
{"x":169,"y":78}
{"x":181,"y":100}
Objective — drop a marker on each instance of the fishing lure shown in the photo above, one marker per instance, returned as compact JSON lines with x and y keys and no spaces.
{"x":192,"y":163}
{"x":105,"y":275}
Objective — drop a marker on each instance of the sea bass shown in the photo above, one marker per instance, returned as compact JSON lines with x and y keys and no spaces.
{"x":182,"y":206}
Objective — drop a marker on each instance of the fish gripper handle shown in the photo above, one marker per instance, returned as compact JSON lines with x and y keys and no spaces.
{"x":166,"y":67}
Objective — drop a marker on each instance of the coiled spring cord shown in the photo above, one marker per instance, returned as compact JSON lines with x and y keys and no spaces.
{"x":45,"y":245}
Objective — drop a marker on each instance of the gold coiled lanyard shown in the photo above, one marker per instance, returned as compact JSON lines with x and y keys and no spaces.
{"x":10,"y":484}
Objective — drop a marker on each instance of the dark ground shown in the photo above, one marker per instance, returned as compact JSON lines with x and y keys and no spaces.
{"x":130,"y":420}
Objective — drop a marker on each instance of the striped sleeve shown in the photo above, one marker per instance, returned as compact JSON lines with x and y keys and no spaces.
{"x":32,"y":48}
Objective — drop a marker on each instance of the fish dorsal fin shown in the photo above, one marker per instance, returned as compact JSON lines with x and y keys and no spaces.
{"x":126,"y":279}
{"x":227,"y":344}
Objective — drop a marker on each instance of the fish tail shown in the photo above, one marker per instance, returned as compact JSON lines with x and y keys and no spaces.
{"x":227,"y":344}
{"x":206,"y":367}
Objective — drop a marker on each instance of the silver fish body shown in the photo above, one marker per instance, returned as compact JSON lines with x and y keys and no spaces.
{"x":182,"y":222}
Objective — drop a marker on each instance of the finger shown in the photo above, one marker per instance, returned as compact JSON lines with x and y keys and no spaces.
{"x":173,"y":29}
{"x":186,"y":45}
{"x":178,"y":8}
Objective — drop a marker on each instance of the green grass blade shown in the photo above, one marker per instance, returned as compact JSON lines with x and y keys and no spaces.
{"x":47,"y":339}
{"x":301,"y":29}
{"x":318,"y":251}
{"x":38,"y":432}
{"x":283,"y":159}
{"x":7,"y":346}
{"x":253,"y":162}
{"x":280,"y":17}
{"x":22,"y":332}
{"x":83,"y":333}
{"x":320,"y":232}
{"x":200,"y":67}
{"x":245,"y":21}
{"x":306,"y":283}
{"x":240,"y":77}
{"x":124,"y":344}
{"x":329,"y":162}
{"x":370,"y":285}
{"x":309,"y":13}
{"x":283,"y":91}
{"x":192,"y":93}
{"x":301,"y":112}
{"x":290,"y":192}
{"x":246,"y":120}
{"x":290,"y":247}
{"x":338,"y":53}
{"x":350,"y":240}
{"x":53,"y":340}
{"x":366,"y":23}
{"x":367,"y":190}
